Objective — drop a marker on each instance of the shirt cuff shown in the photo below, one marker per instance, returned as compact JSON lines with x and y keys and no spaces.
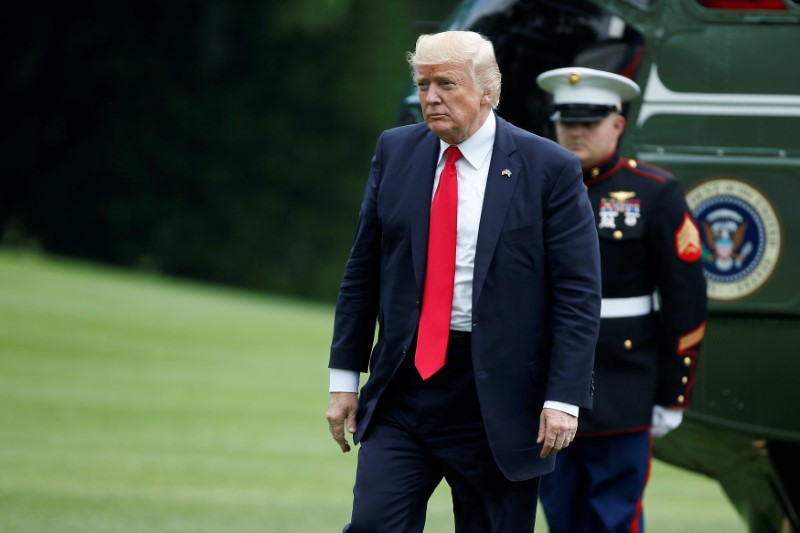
{"x":343,"y":380}
{"x":561,"y":406}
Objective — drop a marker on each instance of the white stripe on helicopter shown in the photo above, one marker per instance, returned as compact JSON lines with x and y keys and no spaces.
{"x":658,"y":100}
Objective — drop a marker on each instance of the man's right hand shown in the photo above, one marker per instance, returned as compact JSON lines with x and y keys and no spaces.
{"x":556,"y":431}
{"x":342,"y":409}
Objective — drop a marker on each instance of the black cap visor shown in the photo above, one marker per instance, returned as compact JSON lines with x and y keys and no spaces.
{"x":582,"y":112}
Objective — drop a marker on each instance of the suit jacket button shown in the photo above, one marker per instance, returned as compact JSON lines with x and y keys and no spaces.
{"x":628,"y":344}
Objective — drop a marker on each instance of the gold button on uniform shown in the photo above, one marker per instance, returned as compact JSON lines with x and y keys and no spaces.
{"x":595,"y":172}
{"x":687,"y":361}
{"x":628,"y":344}
{"x":681,"y":399}
{"x":632,"y":163}
{"x":617,"y":234}
{"x":685,"y":380}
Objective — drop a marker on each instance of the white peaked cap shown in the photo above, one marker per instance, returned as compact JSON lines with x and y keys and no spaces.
{"x":581,"y":85}
{"x":583,"y":94}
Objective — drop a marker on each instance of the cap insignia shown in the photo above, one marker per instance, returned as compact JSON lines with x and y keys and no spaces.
{"x":574,"y":78}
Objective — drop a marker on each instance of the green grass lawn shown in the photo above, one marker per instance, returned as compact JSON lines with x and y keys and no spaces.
{"x":133,"y":403}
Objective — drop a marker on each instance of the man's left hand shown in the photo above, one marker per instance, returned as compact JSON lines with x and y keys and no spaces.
{"x":556,"y":430}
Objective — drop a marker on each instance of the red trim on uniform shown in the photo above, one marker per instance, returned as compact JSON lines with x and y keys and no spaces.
{"x":692,"y":338}
{"x":697,"y":335}
{"x":646,"y":174}
{"x":588,"y":179}
{"x":613,"y":169}
{"x":688,"y":393}
{"x":653,"y":167}
{"x":616,"y":432}
{"x":638,"y":513}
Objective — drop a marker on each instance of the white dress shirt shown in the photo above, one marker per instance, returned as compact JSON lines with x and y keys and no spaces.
{"x":473,"y":170}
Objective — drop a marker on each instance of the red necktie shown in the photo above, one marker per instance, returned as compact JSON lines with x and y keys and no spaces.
{"x":437,"y":296}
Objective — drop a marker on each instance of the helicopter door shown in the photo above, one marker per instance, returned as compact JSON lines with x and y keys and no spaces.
{"x":532,"y":36}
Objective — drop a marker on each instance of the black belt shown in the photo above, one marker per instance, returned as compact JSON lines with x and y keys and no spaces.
{"x":459,"y":339}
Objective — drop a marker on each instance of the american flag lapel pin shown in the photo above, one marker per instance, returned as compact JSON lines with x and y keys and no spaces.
{"x":506,"y":173}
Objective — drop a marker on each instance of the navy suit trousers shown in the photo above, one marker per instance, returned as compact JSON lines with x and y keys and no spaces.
{"x":425,"y":431}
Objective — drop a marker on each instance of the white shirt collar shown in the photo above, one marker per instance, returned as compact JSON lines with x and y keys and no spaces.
{"x":475,"y":148}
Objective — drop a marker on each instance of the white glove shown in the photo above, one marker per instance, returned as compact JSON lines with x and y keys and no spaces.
{"x":665,"y":420}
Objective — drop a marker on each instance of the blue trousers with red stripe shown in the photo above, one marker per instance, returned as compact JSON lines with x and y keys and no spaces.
{"x":598,"y":485}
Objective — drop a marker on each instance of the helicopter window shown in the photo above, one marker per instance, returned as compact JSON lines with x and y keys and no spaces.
{"x":744,"y":5}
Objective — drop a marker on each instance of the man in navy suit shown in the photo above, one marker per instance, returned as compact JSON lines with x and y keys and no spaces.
{"x":487,"y":405}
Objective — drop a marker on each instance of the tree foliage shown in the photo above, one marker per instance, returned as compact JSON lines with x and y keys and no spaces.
{"x":220,"y":140}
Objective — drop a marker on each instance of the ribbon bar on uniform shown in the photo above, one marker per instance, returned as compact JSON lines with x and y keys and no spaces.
{"x":624,"y":307}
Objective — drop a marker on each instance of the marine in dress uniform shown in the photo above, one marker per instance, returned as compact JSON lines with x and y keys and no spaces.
{"x":652,"y":316}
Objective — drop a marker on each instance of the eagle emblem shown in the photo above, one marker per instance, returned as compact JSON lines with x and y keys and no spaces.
{"x":725,"y":234}
{"x":740,"y":235}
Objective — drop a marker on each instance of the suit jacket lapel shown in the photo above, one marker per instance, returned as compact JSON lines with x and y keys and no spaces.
{"x":421,"y":174}
{"x":499,"y":191}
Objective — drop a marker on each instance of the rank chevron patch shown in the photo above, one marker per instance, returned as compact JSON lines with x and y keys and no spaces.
{"x":687,"y":240}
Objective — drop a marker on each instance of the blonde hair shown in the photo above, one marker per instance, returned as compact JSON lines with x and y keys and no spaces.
{"x":468,"y":48}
